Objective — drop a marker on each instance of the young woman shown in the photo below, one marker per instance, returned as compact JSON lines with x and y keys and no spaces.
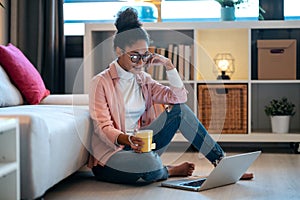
{"x":122,"y":99}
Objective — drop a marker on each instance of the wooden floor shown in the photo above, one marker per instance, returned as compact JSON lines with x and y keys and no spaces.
{"x":277,"y":176}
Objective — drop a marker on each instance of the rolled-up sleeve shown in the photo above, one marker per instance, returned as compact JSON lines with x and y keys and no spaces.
{"x":174,"y":78}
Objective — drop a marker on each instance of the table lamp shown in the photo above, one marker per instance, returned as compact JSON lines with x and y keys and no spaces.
{"x":224,"y":65}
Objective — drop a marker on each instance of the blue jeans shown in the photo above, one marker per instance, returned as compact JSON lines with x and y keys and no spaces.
{"x":129,"y":167}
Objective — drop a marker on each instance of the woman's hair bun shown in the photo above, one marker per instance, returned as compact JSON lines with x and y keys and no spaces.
{"x":127,"y":19}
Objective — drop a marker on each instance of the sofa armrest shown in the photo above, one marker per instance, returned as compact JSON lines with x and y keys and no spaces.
{"x":66,"y":99}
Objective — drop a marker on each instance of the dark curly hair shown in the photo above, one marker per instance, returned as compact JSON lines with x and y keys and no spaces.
{"x":129,"y":29}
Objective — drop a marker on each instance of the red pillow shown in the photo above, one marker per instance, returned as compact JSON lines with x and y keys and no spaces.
{"x":23,"y":74}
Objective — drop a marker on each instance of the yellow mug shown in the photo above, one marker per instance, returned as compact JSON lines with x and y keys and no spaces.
{"x":146,"y":136}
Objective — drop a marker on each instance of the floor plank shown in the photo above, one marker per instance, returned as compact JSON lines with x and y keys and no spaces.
{"x":277,"y":176}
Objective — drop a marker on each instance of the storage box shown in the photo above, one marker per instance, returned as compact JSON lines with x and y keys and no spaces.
{"x":277,"y":59}
{"x":223,"y":108}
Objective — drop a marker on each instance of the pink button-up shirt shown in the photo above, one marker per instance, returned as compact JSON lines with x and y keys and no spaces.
{"x":107,"y":110}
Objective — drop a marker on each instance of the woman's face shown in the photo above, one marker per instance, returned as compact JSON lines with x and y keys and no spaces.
{"x":133,"y":58}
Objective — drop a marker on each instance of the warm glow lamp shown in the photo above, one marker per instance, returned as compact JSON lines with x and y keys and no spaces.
{"x":224,"y":65}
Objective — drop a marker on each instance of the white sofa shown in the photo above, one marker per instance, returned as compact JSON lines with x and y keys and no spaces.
{"x":54,"y":136}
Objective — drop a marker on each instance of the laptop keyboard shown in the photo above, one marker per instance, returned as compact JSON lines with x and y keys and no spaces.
{"x":196,"y":183}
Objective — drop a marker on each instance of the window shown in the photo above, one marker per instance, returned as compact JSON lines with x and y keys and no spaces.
{"x":291,"y":9}
{"x":78,"y":12}
{"x":204,"y":10}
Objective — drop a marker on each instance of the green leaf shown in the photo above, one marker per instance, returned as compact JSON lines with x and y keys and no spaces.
{"x":280,"y":107}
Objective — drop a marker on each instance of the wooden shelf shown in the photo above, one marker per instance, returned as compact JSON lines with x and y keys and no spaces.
{"x":251,"y":137}
{"x":210,"y":38}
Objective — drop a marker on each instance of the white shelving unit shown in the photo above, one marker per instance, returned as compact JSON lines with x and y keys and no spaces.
{"x":208,"y":39}
{"x":9,"y":159}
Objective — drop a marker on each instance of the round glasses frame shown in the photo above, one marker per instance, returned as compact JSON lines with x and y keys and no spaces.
{"x":137,"y":57}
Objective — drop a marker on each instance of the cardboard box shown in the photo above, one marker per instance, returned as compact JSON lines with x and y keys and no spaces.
{"x":277,"y":59}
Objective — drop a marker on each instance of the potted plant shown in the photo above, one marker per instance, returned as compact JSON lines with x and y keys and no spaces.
{"x":230,"y":3}
{"x":228,"y":8}
{"x":280,"y":111}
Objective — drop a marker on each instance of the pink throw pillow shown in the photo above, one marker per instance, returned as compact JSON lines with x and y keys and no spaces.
{"x":23,"y":74}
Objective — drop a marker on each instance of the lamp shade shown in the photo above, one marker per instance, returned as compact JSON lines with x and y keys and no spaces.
{"x":224,"y":65}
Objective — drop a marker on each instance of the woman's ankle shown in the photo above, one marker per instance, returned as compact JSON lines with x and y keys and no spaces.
{"x":217,"y":161}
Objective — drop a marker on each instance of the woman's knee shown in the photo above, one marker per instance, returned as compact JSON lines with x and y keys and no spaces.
{"x":151,"y":161}
{"x":174,"y":108}
{"x":181,"y":108}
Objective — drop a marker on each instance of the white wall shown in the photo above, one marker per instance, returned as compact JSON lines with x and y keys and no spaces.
{"x":74,"y":76}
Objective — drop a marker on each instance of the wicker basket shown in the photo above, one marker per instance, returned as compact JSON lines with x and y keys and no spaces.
{"x":223,"y":108}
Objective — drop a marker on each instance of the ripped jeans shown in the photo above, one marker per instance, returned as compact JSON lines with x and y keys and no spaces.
{"x":129,"y":167}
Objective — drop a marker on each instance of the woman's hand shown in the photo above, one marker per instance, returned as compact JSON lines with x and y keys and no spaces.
{"x":135,"y":143}
{"x":158,"y":59}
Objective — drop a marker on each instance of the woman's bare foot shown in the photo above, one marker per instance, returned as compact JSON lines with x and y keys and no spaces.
{"x":245,"y":176}
{"x":184,"y":169}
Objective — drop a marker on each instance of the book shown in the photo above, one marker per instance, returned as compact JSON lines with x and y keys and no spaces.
{"x":175,"y":56}
{"x":160,"y":68}
{"x":181,"y":60}
{"x":187,"y":61}
{"x":150,"y":69}
{"x":170,"y":51}
{"x":192,"y":65}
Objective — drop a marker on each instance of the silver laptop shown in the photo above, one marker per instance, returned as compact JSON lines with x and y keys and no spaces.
{"x":228,"y":171}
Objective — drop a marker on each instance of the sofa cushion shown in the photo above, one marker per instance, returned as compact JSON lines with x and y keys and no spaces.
{"x":66,"y":99}
{"x":23,"y":74}
{"x":9,"y":94}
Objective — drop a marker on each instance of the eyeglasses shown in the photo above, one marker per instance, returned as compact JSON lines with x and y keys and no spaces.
{"x":135,"y":58}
